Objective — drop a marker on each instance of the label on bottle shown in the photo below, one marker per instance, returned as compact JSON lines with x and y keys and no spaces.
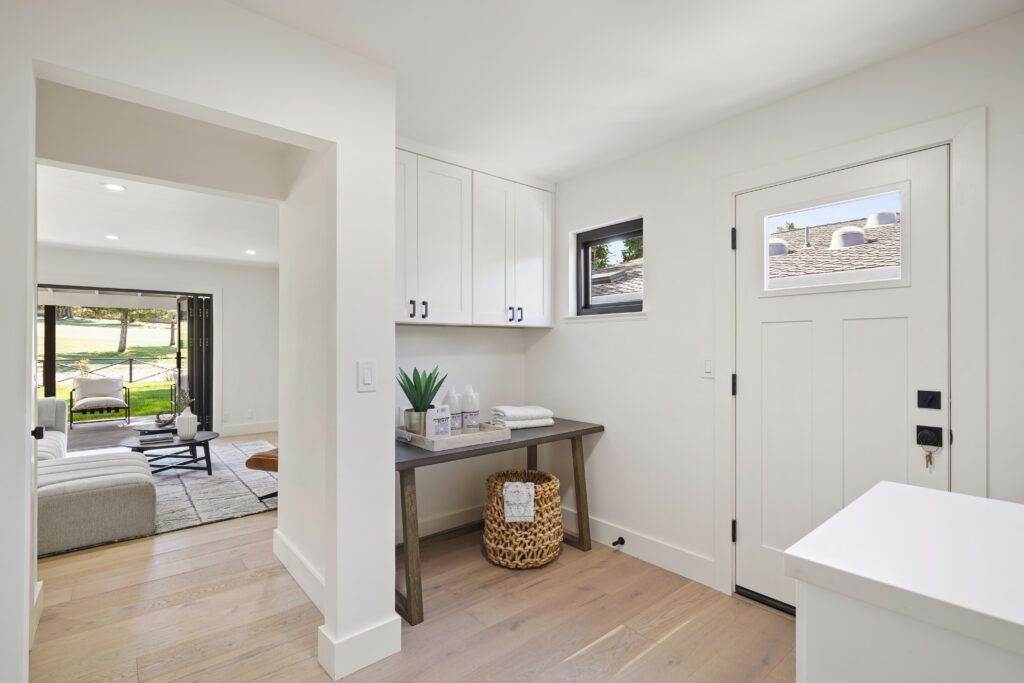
{"x":471,"y":419}
{"x":456,"y":421}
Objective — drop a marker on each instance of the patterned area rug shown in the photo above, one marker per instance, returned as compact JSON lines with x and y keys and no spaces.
{"x":187,"y":498}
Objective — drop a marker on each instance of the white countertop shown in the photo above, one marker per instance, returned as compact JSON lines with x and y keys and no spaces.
{"x":952,"y":560}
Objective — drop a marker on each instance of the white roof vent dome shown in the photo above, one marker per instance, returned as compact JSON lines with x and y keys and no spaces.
{"x":777,"y":246}
{"x":882,"y":218}
{"x":849,"y":236}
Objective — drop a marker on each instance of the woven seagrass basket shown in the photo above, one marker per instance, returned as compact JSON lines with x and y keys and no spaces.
{"x":523,"y":545}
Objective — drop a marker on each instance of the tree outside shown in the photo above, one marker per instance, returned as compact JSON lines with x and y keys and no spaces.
{"x":600,"y":256}
{"x":633,"y":248}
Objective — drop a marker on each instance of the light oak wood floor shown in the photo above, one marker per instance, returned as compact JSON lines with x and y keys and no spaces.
{"x":212,"y":603}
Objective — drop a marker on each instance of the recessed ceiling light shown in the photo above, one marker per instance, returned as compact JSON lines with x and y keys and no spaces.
{"x":113,"y":187}
{"x":250,"y":252}
{"x":113,"y":237}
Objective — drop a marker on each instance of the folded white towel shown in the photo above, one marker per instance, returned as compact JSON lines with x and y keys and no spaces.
{"x":516,"y":413}
{"x":524,"y":424}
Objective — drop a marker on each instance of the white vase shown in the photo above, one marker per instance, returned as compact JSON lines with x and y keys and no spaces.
{"x":187,"y":424}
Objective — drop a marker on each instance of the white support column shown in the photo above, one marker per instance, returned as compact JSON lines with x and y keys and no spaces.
{"x":361,"y":626}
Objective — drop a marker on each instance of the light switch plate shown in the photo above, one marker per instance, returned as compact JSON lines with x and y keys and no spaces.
{"x":366,"y":376}
{"x":708,"y":370}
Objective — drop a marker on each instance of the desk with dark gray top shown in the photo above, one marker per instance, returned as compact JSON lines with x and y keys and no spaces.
{"x":409,"y":458}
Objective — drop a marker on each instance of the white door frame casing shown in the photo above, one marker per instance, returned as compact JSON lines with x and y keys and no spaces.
{"x":965,"y":133}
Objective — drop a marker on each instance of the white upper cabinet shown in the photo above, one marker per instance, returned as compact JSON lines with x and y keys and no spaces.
{"x":434,"y":241}
{"x":469,"y":248}
{"x":532,"y":256}
{"x":493,"y":250}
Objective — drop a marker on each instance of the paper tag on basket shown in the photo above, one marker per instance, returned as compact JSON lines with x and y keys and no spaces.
{"x":518,"y":497}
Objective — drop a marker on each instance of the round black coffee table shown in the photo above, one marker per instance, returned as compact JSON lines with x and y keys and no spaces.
{"x":187,"y":452}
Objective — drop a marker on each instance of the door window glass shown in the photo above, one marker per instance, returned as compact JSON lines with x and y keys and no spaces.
{"x":852,"y":241}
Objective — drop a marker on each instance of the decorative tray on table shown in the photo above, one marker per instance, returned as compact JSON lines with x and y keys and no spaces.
{"x":488,"y":434}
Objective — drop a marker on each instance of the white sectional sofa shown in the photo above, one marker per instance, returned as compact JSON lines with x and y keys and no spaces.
{"x":90,"y":499}
{"x":52,"y":415}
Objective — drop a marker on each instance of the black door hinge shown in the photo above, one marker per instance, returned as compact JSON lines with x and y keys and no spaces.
{"x":734,"y":531}
{"x":734,"y":384}
{"x":733,"y":239}
{"x":950,"y":437}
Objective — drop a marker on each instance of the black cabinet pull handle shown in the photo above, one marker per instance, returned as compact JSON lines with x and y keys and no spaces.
{"x":520,"y":314}
{"x":412,"y":313}
{"x":511,"y":314}
{"x":426,"y":311}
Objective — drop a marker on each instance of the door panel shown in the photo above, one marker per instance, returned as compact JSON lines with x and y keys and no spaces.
{"x":405,"y":236}
{"x":842,"y":289}
{"x":444,"y":241}
{"x":493,"y":248}
{"x":788,"y":434}
{"x":533,"y":255}
{"x":880,"y":452}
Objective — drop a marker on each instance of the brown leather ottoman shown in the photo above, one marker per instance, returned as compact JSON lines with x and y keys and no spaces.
{"x":266,"y":462}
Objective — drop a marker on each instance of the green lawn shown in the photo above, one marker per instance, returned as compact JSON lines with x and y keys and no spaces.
{"x":147,"y":398}
{"x":95,"y":338}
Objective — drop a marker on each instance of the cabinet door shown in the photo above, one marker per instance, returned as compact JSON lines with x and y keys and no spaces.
{"x":444,"y":243}
{"x":532,"y":256}
{"x":493,"y":246}
{"x":405,"y":237}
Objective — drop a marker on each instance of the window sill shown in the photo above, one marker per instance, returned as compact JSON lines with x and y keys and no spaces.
{"x":606,"y":317}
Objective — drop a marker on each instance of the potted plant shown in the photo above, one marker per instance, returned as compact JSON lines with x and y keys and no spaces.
{"x":420,"y":389}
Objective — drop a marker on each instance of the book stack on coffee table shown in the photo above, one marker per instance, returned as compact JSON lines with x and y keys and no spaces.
{"x":151,"y":439}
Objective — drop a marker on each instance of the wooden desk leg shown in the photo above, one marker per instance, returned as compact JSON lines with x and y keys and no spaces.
{"x":531,"y":457}
{"x":582,"y":509}
{"x":410,"y":605}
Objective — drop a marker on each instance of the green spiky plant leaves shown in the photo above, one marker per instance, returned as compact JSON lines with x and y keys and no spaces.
{"x":421,"y":388}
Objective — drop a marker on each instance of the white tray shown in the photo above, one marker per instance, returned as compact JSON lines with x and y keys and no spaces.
{"x":488,"y":434}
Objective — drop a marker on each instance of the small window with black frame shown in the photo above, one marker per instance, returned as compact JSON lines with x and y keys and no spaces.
{"x":610,"y":269}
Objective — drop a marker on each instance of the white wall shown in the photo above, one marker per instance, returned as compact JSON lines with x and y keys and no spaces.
{"x":245,"y":320}
{"x":492,"y":360}
{"x":307,"y":320}
{"x":215,"y":62}
{"x":81,"y":128}
{"x":651,"y":474}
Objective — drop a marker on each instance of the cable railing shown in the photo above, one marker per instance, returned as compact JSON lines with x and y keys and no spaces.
{"x":132,"y":369}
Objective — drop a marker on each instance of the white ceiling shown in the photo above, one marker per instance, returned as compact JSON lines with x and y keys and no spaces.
{"x":74,"y":209}
{"x":551,"y":88}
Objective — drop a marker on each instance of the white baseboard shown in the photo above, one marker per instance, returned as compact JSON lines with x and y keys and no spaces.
{"x":240,"y":428}
{"x":694,"y":566}
{"x":35,"y":611}
{"x":357,"y":650}
{"x":439,"y":523}
{"x":305,"y":574}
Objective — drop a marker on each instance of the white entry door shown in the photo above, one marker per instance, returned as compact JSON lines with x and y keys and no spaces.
{"x":842,"y":317}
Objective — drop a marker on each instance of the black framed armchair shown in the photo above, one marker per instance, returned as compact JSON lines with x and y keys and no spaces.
{"x":99,"y":395}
